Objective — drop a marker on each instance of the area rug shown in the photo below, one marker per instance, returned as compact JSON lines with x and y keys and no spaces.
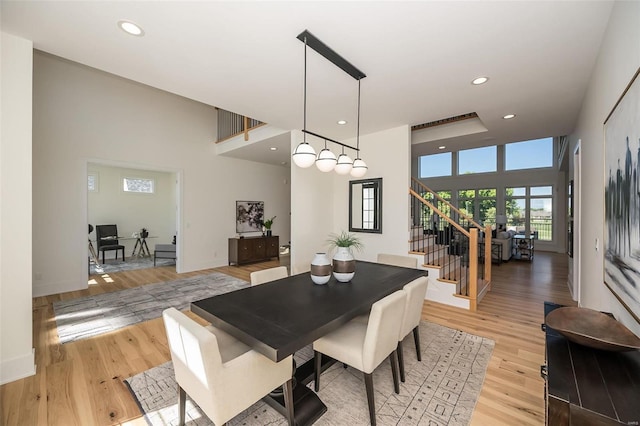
{"x":130,"y":264}
{"x":93,"y":315}
{"x":442,"y":389}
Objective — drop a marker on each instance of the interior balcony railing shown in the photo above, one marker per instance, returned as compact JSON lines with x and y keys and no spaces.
{"x":452,"y":242}
{"x":231,"y":125}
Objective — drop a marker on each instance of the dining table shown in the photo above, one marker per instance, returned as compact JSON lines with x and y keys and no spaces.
{"x":283,"y":316}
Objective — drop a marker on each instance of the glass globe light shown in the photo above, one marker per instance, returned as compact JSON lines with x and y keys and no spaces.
{"x":344,"y":164}
{"x":359,"y":168}
{"x":326,"y":160}
{"x":304,"y":155}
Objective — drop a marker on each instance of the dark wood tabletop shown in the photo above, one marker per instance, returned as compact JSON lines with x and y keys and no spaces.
{"x":280,"y":317}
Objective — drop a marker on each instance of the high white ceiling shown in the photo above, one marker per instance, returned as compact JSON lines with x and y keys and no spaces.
{"x":419,"y":57}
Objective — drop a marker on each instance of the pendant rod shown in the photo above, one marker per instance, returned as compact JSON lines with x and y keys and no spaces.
{"x":304,"y":124}
{"x":358,"y":125}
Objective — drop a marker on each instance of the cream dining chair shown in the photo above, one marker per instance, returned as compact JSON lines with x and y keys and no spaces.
{"x":397,"y":260}
{"x":416,"y":291}
{"x":365,"y":346}
{"x":266,"y":275}
{"x":221,"y":374}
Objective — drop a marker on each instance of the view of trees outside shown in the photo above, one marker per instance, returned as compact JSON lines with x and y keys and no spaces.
{"x":481,"y":205}
{"x":540,"y":210}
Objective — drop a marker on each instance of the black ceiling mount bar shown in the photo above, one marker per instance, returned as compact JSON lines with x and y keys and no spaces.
{"x":329,"y":139}
{"x":330,"y":55}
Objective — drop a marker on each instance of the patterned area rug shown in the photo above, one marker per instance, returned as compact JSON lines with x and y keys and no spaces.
{"x":93,"y":315}
{"x":130,"y":264}
{"x":440,"y":390}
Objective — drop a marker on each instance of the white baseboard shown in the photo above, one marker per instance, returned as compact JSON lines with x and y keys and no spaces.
{"x":17,"y":368}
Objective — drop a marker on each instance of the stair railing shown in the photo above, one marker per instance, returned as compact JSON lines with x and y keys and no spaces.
{"x":461,"y":240}
{"x":231,"y":125}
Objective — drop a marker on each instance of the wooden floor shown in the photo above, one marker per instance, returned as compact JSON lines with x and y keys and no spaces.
{"x":80,"y":383}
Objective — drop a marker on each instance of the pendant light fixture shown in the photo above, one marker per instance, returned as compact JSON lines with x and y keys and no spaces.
{"x":326,"y":160}
{"x":344,"y":164}
{"x":304,"y":155}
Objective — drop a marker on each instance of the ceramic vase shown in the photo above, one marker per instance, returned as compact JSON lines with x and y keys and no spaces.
{"x":320,"y":268}
{"x":344,"y":265}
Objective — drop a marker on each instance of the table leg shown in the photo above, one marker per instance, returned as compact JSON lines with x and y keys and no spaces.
{"x":133,"y":253}
{"x":307,"y":407}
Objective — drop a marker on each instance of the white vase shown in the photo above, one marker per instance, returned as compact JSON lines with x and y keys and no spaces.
{"x":344,"y":265}
{"x":320,"y":268}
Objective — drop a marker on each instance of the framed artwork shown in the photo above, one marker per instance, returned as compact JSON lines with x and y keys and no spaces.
{"x":249,"y":216}
{"x":622,"y":198}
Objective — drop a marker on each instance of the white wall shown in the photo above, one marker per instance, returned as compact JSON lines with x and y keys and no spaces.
{"x":618,"y":60}
{"x":311,"y":210}
{"x":16,"y":348}
{"x":83,"y":115}
{"x":321,"y":200}
{"x":132,"y":211}
{"x":388,"y":155}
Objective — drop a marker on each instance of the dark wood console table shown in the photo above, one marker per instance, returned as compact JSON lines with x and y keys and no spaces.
{"x":253,"y":249}
{"x":587,"y":386}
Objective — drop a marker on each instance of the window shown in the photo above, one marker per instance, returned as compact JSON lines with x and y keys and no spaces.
{"x":529,"y":154}
{"x":541,"y":212}
{"x":435,"y":165}
{"x":530,"y":208}
{"x":477,"y":160}
{"x":92,"y":182}
{"x":368,"y":206}
{"x":139,"y":185}
{"x":479,"y":204}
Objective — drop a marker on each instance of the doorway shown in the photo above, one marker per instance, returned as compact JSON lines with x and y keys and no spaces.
{"x":140,"y":202}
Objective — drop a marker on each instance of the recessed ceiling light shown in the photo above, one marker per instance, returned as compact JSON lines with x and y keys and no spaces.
{"x":273,"y":148}
{"x":509,"y":116}
{"x":342,"y":122}
{"x":480,"y":80}
{"x":442,"y":147}
{"x":131,"y":28}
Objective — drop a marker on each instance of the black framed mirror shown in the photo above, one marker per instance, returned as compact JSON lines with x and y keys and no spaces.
{"x":365,"y":205}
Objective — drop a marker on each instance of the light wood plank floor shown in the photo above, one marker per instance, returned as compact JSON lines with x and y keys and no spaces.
{"x":80,"y":383}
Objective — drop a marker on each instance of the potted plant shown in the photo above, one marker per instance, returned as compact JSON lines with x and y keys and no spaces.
{"x":267,"y":225}
{"x":344,"y":264}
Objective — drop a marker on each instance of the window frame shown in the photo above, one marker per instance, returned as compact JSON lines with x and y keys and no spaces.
{"x":124,"y":185}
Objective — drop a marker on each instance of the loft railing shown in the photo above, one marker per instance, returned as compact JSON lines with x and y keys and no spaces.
{"x":231,"y":124}
{"x":450,"y":240}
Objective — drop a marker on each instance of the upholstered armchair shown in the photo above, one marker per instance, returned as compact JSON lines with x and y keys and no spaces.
{"x":221,"y":374}
{"x":266,"y":275}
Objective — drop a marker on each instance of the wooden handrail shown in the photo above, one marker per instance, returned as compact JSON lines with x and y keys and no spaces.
{"x":451,"y":206}
{"x":244,"y":132}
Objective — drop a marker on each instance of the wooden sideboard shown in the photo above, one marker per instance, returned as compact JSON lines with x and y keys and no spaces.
{"x":586,"y":386}
{"x":253,"y":249}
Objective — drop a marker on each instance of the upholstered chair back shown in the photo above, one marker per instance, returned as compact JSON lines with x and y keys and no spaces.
{"x":416,"y":291}
{"x":267,"y":275}
{"x":397,"y":260}
{"x":383,"y":329}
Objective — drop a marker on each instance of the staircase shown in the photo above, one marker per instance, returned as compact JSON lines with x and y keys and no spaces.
{"x":449,"y":247}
